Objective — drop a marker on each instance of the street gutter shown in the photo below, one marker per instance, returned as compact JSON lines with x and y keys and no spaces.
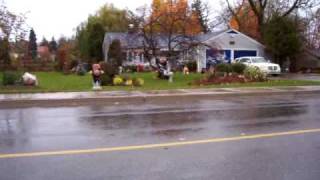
{"x":107,"y":97}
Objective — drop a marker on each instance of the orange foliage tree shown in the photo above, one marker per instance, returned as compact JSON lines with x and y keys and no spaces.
{"x":246,"y":21}
{"x":174,"y":16}
{"x":251,"y":16}
{"x":175,"y":21}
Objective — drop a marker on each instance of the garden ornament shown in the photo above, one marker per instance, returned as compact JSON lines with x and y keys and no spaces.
{"x":96,"y":76}
{"x":29,"y":79}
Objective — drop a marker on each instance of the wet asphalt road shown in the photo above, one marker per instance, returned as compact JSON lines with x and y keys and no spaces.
{"x":292,"y":157}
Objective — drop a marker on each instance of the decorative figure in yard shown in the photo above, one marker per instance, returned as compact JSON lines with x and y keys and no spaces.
{"x":96,"y":76}
{"x":185,"y":70}
{"x":163,"y":70}
{"x":29,"y":79}
{"x":120,"y":69}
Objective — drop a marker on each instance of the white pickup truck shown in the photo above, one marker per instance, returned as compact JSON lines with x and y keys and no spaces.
{"x":261,"y":63}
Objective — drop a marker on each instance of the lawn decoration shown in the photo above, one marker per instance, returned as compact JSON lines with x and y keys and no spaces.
{"x":96,"y":76}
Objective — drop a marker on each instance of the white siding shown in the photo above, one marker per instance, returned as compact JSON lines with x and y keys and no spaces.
{"x":241,"y":42}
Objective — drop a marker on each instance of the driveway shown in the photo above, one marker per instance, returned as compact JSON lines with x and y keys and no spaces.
{"x":296,"y":76}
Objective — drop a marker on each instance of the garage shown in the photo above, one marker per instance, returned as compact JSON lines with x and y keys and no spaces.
{"x":227,"y":45}
{"x":242,"y":53}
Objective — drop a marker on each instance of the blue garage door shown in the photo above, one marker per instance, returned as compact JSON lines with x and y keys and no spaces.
{"x":241,"y":53}
{"x":227,"y":55}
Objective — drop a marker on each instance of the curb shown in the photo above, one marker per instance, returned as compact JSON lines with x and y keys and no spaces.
{"x":157,"y":95}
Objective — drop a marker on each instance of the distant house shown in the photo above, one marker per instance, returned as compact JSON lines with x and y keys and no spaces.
{"x":228,"y":44}
{"x":43,"y":52}
{"x":133,"y":46}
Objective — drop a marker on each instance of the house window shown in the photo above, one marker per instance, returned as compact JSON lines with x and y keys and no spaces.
{"x":232,"y":42}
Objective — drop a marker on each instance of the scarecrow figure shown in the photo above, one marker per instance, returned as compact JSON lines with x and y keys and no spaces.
{"x":185,"y":70}
{"x":164,"y":71}
{"x":96,"y":76}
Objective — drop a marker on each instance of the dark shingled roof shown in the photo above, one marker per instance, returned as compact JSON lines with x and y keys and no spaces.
{"x":134,"y":40}
{"x":127,"y":40}
{"x":204,"y":37}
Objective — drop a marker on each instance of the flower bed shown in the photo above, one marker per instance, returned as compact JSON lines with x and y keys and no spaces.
{"x":126,"y":80}
{"x":227,"y":74}
{"x":222,"y":80}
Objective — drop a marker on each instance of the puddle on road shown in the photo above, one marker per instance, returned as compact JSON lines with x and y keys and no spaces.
{"x":289,"y":88}
{"x":175,"y":132}
{"x":143,"y":121}
{"x":264,"y":124}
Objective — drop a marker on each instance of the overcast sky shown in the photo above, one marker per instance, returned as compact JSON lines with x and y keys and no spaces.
{"x":61,"y":17}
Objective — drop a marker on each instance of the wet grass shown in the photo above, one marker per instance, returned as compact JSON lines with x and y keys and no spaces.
{"x":52,"y":82}
{"x":58,"y":82}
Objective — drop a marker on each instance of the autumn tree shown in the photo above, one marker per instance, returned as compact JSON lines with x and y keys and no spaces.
{"x":312,"y":29}
{"x":175,"y":17}
{"x":65,"y":53}
{"x":11,"y":30}
{"x":176,"y":23}
{"x":145,"y":26}
{"x":201,"y":11}
{"x":173,"y":23}
{"x":11,"y":24}
{"x":264,"y":9}
{"x":245,"y":21}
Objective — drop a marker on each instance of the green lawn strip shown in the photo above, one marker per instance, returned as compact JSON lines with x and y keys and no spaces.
{"x":58,"y":82}
{"x":52,"y":82}
{"x":55,"y":81}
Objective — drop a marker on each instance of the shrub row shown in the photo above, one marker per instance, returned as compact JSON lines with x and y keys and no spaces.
{"x":251,"y":74}
{"x":255,"y":74}
{"x":11,"y":78}
{"x":231,"y":68}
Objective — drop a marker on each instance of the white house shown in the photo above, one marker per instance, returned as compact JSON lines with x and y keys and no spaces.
{"x":230,"y":43}
{"x":227,"y":45}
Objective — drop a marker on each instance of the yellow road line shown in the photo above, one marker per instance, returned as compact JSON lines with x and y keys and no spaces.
{"x":162,"y":145}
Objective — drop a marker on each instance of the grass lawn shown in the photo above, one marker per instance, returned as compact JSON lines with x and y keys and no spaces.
{"x":57,"y":82}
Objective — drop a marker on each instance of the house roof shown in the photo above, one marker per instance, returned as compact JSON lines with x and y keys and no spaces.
{"x":210,"y":37}
{"x":204,"y":37}
{"x":135,"y":40}
{"x":127,"y":40}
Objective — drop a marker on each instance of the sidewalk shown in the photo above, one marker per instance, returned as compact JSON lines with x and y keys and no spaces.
{"x":61,"y":96}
